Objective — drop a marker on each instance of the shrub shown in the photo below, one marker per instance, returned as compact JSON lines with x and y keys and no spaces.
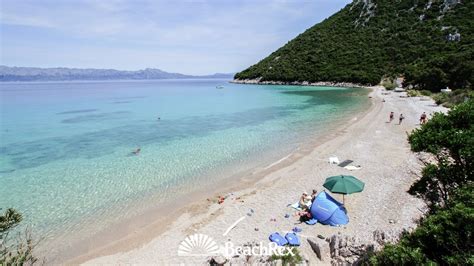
{"x":19,"y":252}
{"x":389,"y":83}
{"x":288,"y":259}
{"x":445,"y":236}
{"x":449,"y":138}
{"x":426,"y":92}
{"x":413,"y":93}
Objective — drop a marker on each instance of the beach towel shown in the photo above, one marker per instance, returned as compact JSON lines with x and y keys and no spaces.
{"x":312,"y":221}
{"x":278,"y":239}
{"x":345,"y":163}
{"x":296,"y":205}
{"x":352,"y":167}
{"x":293,"y":239}
{"x":333,"y":160}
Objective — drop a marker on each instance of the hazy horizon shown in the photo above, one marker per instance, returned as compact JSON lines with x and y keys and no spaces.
{"x":132,"y":70}
{"x":189,"y":37}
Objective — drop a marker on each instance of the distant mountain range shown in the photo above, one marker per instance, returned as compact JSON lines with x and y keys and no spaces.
{"x":62,"y":73}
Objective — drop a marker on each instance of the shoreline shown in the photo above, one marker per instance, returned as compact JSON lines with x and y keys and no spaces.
{"x":387,"y":164}
{"x":258,"y":81}
{"x":154,"y":226}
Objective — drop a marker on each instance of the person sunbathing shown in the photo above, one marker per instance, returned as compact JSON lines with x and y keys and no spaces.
{"x":305,"y":200}
{"x":305,"y":214}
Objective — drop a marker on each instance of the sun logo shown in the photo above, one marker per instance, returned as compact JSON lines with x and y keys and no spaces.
{"x":198,"y":245}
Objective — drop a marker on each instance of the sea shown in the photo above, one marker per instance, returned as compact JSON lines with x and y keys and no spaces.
{"x":67,"y":160}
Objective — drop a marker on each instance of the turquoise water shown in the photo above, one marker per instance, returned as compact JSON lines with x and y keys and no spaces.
{"x":65,"y":151}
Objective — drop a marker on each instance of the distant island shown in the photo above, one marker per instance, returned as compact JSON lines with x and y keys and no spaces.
{"x":63,"y":74}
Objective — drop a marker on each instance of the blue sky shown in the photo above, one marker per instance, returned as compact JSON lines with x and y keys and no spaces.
{"x":191,"y":37}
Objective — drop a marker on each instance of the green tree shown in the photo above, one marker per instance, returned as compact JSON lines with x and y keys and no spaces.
{"x":362,"y":43}
{"x":449,"y":140}
{"x":8,"y":220}
{"x":444,"y":237}
{"x":19,"y":251}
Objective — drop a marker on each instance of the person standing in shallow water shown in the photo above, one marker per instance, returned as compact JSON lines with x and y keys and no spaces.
{"x":400,"y":119}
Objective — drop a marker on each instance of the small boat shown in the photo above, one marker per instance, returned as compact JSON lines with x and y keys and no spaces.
{"x":220,"y":87}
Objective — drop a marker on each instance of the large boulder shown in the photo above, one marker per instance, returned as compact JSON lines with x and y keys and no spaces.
{"x":321,"y":248}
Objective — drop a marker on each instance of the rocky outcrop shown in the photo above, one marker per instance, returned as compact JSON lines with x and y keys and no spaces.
{"x":335,"y":250}
{"x":349,"y":250}
{"x":367,"y":12}
{"x":346,"y":250}
{"x":321,"y":248}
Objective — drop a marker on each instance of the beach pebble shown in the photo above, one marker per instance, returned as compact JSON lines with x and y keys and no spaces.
{"x":218,"y":260}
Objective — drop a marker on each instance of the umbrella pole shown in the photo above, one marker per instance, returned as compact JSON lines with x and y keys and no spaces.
{"x":343,"y":201}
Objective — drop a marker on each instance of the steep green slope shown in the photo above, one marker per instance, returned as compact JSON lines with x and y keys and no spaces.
{"x":430,"y":42}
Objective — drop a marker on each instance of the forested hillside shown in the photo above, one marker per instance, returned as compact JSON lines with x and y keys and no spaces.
{"x":429,"y":42}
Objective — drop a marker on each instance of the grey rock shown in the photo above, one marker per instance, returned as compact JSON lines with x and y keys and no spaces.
{"x":217,"y":260}
{"x":320,"y":248}
{"x":344,"y":252}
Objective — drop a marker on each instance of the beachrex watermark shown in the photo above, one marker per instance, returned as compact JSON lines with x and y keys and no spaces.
{"x":200,"y":245}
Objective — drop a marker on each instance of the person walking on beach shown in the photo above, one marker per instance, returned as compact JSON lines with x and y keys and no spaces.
{"x":423,"y":118}
{"x":400,"y":119}
{"x":391,"y":117}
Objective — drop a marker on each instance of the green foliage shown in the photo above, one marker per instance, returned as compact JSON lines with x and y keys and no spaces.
{"x":398,"y":255}
{"x":425,"y":92}
{"x":288,"y":259}
{"x":20,"y":252}
{"x":444,"y":237}
{"x":8,"y":220}
{"x":394,"y":38}
{"x":413,"y":93}
{"x":453,"y":98}
{"x":450,"y":139}
{"x":447,"y":236}
{"x":416,"y":93}
{"x":440,"y":98}
{"x":389,"y":84}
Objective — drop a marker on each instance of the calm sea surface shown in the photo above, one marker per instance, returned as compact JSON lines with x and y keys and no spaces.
{"x":66,"y":147}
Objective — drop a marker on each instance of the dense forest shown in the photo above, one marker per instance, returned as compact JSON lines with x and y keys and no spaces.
{"x":429,"y":42}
